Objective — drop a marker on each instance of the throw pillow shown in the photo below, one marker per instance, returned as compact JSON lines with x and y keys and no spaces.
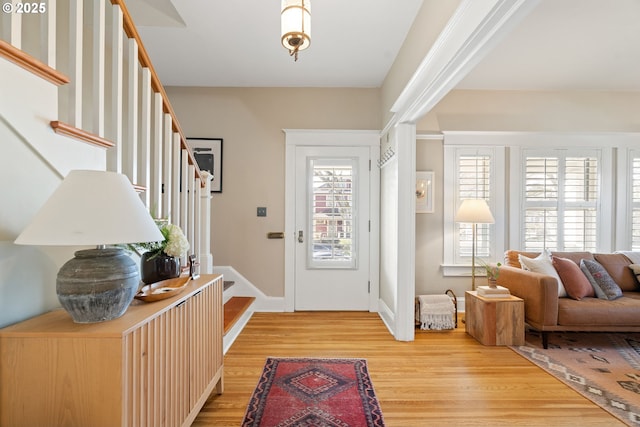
{"x":542,"y":264}
{"x":636,"y":270}
{"x":575,"y":282}
{"x":600,"y":280}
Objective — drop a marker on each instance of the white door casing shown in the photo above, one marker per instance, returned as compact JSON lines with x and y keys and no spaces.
{"x":343,"y":275}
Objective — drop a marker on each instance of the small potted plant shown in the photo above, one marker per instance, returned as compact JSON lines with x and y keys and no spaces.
{"x":492,"y":271}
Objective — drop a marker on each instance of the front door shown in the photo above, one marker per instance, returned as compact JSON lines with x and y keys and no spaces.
{"x":332,"y":228}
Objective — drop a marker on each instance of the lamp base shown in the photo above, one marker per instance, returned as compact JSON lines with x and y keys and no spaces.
{"x":97,"y":285}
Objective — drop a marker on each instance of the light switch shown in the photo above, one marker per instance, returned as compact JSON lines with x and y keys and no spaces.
{"x":262,"y":211}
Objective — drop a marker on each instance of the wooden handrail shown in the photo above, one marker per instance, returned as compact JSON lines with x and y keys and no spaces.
{"x":32,"y":64}
{"x":79,"y":134}
{"x":131,"y":32}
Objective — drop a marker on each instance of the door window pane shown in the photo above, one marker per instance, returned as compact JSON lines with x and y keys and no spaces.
{"x":332,"y":207}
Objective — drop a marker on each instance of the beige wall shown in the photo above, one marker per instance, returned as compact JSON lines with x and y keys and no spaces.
{"x":535,"y":111}
{"x":250,"y":120}
{"x":503,"y":111}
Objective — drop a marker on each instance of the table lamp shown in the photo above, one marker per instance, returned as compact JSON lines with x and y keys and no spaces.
{"x":94,"y":208}
{"x":474,"y":211}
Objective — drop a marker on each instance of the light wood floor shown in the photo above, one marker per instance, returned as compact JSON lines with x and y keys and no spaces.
{"x":443,"y":378}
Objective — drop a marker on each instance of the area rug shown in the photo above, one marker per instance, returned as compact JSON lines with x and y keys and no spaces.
{"x":314,"y":392}
{"x":603,"y":367}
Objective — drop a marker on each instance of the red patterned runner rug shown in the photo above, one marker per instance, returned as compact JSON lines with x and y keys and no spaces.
{"x":603,"y":367}
{"x":314,"y":392}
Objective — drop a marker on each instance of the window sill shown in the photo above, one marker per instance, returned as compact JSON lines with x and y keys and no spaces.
{"x":461,"y":270}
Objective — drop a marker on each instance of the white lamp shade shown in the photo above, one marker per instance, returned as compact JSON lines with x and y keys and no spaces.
{"x":91,"y":208}
{"x":474,"y":211}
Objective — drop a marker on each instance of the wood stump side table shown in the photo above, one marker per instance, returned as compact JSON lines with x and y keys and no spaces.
{"x":494,"y":321}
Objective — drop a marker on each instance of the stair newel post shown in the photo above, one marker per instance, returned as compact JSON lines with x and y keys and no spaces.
{"x":204,"y":253}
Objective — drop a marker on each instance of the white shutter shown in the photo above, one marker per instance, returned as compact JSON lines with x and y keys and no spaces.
{"x":474,"y":182}
{"x":635,"y":203}
{"x":560,"y":196}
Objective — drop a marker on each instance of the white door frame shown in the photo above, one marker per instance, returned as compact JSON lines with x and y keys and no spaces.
{"x":353,"y":138}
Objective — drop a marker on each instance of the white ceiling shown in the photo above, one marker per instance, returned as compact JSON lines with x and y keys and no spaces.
{"x":567,"y":45}
{"x":560,"y":45}
{"x":237,"y":42}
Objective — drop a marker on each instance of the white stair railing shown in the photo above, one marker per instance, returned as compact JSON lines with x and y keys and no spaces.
{"x":110,"y":95}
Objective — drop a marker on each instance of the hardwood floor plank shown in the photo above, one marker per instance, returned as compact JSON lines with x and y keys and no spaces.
{"x":441,"y":378}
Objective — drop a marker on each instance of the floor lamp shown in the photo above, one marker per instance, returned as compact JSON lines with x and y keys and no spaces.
{"x":474,"y":212}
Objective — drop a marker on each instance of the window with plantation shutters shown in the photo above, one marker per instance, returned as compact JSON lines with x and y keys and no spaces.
{"x":635,"y":202}
{"x":474,"y":182}
{"x":561,"y":191}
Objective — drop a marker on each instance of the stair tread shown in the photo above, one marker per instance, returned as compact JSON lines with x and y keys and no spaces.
{"x":233,"y":310}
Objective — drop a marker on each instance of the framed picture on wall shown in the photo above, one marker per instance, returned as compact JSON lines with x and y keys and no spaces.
{"x":208,"y":154}
{"x":424,"y":192}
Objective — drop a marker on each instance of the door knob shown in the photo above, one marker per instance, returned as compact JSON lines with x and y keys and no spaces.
{"x":300,"y":237}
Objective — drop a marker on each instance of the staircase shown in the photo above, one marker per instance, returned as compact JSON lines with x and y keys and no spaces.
{"x":237,"y":312}
{"x":103,"y":92}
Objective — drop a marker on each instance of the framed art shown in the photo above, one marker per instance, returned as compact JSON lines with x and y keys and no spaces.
{"x":424,"y":192}
{"x":208,"y":155}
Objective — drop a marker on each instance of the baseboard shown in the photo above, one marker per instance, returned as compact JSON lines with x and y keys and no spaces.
{"x":243,"y":287}
{"x":387,"y":315}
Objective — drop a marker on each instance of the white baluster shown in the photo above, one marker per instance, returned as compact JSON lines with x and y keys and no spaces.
{"x":191,"y":208}
{"x":115,"y":95}
{"x":145,"y":127}
{"x":69,"y":60}
{"x":94,"y":63}
{"x":130,"y":110}
{"x":175,"y":178}
{"x":167,"y":156}
{"x":183,"y":195}
{"x":156,"y":156}
{"x":49,"y":39}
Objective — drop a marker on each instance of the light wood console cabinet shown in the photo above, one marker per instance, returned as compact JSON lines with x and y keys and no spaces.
{"x":154,"y":366}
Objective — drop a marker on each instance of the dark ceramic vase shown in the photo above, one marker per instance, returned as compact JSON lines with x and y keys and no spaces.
{"x":156,"y":267}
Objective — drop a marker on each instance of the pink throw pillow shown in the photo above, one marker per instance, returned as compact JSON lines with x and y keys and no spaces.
{"x":575,"y":282}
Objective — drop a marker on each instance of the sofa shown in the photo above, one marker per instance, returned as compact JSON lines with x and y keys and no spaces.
{"x":560,"y":301}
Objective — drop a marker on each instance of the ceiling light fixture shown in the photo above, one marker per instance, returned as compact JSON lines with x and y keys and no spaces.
{"x":295,"y":20}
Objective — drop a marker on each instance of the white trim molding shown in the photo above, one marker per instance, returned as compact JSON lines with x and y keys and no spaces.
{"x":327,"y":138}
{"x":243,"y":287}
{"x":475,"y":29}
